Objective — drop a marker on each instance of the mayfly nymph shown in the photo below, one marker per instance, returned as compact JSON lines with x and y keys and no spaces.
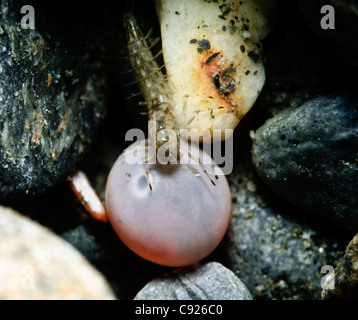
{"x":155,"y":91}
{"x":163,"y":130}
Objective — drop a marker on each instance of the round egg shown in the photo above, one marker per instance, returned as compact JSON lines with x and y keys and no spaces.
{"x":173,"y":215}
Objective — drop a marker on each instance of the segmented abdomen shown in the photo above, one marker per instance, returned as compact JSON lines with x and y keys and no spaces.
{"x":151,"y":82}
{"x":150,"y":78}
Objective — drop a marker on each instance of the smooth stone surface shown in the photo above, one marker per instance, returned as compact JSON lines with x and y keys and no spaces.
{"x":274,"y":248}
{"x":309,"y":156}
{"x":172,"y":215}
{"x":211,"y":281}
{"x":214,"y":92}
{"x":345,"y":277}
{"x":51,"y":92}
{"x":36,"y":264}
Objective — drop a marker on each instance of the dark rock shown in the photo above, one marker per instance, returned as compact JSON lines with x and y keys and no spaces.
{"x":210,"y":281}
{"x":344,"y":38}
{"x":299,"y":64}
{"x":51,"y":97}
{"x":275,"y":249}
{"x":300,"y":52}
{"x":309,"y":156}
{"x":346,"y":275}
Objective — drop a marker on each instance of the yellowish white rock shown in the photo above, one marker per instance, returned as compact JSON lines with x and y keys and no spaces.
{"x":37,"y":264}
{"x":212,"y":54}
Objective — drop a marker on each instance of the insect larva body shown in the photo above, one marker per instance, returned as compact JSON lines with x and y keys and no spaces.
{"x":149,"y":77}
{"x":153,"y":86}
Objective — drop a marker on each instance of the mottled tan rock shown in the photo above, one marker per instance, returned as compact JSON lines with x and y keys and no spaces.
{"x":36,"y":264}
{"x":213,"y":59}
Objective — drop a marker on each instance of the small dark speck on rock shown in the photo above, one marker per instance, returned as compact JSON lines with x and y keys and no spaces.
{"x":204,"y":44}
{"x":253,"y":56}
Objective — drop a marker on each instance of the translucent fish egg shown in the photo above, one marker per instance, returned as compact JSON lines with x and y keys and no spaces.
{"x":173,"y":215}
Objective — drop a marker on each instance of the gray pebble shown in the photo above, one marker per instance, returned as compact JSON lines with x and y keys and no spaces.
{"x":210,"y":281}
{"x":273,"y":250}
{"x":309,"y":156}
